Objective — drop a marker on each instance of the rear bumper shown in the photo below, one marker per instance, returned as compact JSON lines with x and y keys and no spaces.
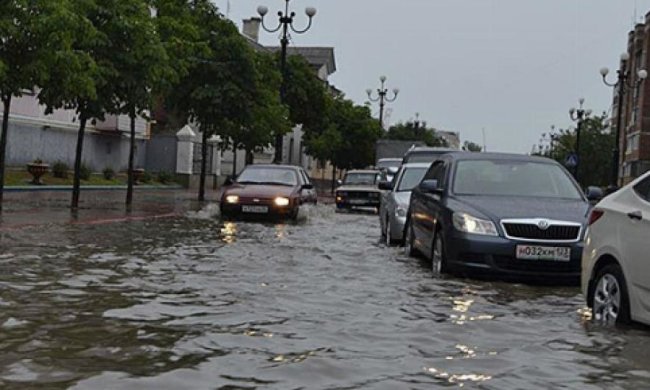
{"x":496,"y":257}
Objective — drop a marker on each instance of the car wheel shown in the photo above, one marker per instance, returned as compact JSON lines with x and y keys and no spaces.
{"x":610,"y":301}
{"x":409,"y":240}
{"x":438,"y":260}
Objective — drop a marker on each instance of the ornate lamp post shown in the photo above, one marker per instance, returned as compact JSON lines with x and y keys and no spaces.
{"x":382,"y":98}
{"x":622,"y":85}
{"x":286,"y":19}
{"x":578,"y":115}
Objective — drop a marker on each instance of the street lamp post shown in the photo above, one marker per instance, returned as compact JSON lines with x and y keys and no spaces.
{"x":286,"y":25}
{"x":382,"y":98}
{"x":578,"y":115}
{"x":622,"y":85}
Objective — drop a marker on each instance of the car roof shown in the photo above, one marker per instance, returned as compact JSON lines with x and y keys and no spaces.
{"x":424,"y":149}
{"x":501,"y":157}
{"x":274,"y":166}
{"x":390,"y":159}
{"x":363,"y":171}
{"x":417,"y":165}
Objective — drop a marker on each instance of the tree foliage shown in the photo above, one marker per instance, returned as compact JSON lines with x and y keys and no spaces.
{"x":596,"y":142}
{"x":415,"y":131}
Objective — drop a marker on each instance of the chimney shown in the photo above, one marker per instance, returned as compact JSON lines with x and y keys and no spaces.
{"x":252,"y":28}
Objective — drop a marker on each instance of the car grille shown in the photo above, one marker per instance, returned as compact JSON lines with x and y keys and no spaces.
{"x":530,"y":231}
{"x":362,"y":195}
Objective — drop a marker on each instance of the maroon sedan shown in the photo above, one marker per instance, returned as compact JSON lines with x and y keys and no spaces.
{"x":267,"y":191}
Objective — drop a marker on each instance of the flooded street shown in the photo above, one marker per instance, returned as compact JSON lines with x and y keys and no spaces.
{"x":188,"y":301}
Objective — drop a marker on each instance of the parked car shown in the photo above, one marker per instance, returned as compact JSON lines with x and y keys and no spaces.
{"x":390,"y":166}
{"x":395,"y":200}
{"x":616,"y":263}
{"x":501,"y":215}
{"x":359,"y":188}
{"x":425,"y":154}
{"x":268,"y":190}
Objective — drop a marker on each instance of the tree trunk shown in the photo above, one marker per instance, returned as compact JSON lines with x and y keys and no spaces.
{"x":234,"y":159}
{"x":77,"y":163}
{"x":333,"y":177}
{"x":6,"y":103}
{"x":249,"y":157}
{"x":204,"y":164}
{"x":129,"y":187}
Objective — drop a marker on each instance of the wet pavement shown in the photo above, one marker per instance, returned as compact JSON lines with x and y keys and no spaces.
{"x":170,"y":297}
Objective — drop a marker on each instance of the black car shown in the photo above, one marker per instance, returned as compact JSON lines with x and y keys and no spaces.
{"x":499,"y":215}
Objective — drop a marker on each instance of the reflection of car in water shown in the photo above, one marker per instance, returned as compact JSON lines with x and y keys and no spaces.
{"x":395,"y":200}
{"x":499,"y":214}
{"x":390,"y":166}
{"x":359,"y":188}
{"x":268,"y":190}
{"x":616,"y":263}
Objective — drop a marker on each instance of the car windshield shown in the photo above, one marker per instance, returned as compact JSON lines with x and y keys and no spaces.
{"x":410,"y":178}
{"x":386,"y":164}
{"x":268,"y":175}
{"x":358,"y":178}
{"x":513,"y":178}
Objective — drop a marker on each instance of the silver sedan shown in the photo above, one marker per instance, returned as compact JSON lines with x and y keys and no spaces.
{"x":395,"y":200}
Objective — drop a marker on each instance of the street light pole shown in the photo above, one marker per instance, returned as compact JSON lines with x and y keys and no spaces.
{"x":382,"y":98}
{"x":578,"y":115}
{"x":622,"y":84}
{"x":286,"y":25}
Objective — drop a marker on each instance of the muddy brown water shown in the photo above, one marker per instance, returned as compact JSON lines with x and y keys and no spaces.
{"x":193,"y":302}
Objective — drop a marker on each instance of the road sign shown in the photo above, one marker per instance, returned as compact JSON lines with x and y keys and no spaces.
{"x":571,"y":160}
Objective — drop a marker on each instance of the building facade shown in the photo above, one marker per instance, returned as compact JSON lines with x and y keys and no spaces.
{"x":634,"y":136}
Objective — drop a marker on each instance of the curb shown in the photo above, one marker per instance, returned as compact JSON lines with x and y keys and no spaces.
{"x":88,"y":188}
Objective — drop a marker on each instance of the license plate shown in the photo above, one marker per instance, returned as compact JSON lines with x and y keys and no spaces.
{"x":357,"y":201}
{"x":529,"y":252}
{"x":255,"y":209}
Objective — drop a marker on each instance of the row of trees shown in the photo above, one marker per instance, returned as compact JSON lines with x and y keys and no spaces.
{"x":596,"y":142}
{"x":123,"y":57}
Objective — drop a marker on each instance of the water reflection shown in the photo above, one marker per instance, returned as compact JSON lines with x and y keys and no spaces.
{"x":194,"y":302}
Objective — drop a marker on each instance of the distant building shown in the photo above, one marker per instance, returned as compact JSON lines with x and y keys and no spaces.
{"x":634,"y":141}
{"x":452,"y":138}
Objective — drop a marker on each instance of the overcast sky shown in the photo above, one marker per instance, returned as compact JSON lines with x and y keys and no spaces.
{"x":511,"y":67}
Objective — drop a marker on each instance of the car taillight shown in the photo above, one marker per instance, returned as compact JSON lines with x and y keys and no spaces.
{"x":595,"y":216}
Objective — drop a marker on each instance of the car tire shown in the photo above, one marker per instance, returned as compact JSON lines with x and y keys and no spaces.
{"x":610,"y":301}
{"x":438,"y":255}
{"x":409,"y":240}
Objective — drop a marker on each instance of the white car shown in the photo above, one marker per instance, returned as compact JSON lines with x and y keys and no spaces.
{"x":616,"y":257}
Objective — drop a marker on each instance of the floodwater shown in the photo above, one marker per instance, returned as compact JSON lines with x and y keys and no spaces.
{"x":192,"y":302}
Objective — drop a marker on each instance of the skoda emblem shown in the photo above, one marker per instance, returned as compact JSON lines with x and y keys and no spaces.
{"x":543,"y":224}
{"x":256,"y":200}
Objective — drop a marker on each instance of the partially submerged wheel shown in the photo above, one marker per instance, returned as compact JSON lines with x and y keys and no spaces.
{"x":438,"y":260}
{"x":409,"y":240}
{"x":610,"y":301}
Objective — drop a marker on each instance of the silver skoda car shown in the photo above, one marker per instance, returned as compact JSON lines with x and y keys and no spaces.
{"x":395,"y":200}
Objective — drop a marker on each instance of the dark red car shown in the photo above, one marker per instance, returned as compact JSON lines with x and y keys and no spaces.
{"x":267,"y":191}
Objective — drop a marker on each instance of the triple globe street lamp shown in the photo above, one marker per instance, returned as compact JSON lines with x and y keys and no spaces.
{"x":382,"y":98}
{"x":623,"y":84}
{"x":286,"y":24}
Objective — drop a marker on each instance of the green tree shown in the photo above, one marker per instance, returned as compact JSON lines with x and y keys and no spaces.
{"x":472,"y":147}
{"x":23,"y":28}
{"x":140,"y":58}
{"x":306,"y":95}
{"x":596,"y":140}
{"x":415,"y":131}
{"x":79,"y":75}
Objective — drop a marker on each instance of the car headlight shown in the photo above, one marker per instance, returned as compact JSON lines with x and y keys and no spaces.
{"x":232,"y":199}
{"x":281,"y":201}
{"x":400,"y":211}
{"x":469,"y":224}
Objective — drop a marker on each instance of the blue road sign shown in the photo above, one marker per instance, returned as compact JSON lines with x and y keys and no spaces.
{"x":571,"y":160}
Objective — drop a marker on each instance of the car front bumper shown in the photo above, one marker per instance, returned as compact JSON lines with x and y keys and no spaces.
{"x":496,"y":256}
{"x":235,"y":210}
{"x":397,"y":225}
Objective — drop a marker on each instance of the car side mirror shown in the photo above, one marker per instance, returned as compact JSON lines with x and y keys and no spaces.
{"x":385,"y":185}
{"x":339,"y":182}
{"x":230,"y":180}
{"x":307,"y":186}
{"x":430,"y":186}
{"x":594,"y":194}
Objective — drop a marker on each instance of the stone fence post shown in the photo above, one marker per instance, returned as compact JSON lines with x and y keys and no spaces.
{"x":185,"y":154}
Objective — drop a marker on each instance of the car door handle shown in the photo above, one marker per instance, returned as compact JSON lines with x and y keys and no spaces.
{"x":635,"y":215}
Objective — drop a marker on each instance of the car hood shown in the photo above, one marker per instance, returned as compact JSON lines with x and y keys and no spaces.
{"x":357,"y":188}
{"x":259,"y":190}
{"x":504,"y":207}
